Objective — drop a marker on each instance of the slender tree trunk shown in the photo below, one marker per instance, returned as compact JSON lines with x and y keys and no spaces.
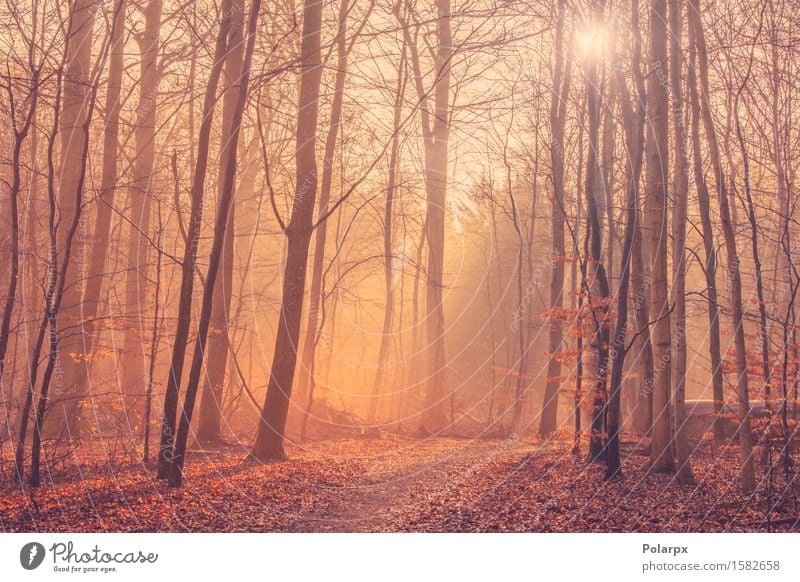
{"x":222,"y":222}
{"x":155,"y":337}
{"x":737,"y":312}
{"x":140,"y":207}
{"x":168,"y":428}
{"x":679,"y":217}
{"x":36,"y":350}
{"x":599,"y":281}
{"x":211,"y":403}
{"x":20,"y":132}
{"x":519,"y":324}
{"x":391,"y":277}
{"x":321,"y":232}
{"x":270,"y":436}
{"x":74,"y":113}
{"x":607,"y":171}
{"x":661,"y":455}
{"x":777,"y":152}
{"x":704,"y":203}
{"x":558,"y":110}
{"x":579,"y":259}
{"x":751,"y":216}
{"x":436,"y":165}
{"x":634,"y":139}
{"x":643,"y":416}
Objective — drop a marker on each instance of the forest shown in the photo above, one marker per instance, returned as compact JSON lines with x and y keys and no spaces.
{"x":399,"y":265}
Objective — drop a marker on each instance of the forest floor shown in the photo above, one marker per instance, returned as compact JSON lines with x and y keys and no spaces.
{"x":396,"y":483}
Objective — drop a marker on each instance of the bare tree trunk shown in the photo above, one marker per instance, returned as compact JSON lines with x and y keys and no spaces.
{"x":36,"y":350}
{"x":558,"y":110}
{"x":436,"y":165}
{"x":105,"y":206}
{"x":140,"y":208}
{"x":436,"y":134}
{"x":643,"y":415}
{"x":737,"y":313}
{"x":634,"y":139}
{"x":751,"y":216}
{"x":578,"y":258}
{"x":166,"y":447}
{"x":607,"y":171}
{"x":218,"y":346}
{"x":391,"y":277}
{"x":74,"y":113}
{"x":661,"y":456}
{"x":271,"y":429}
{"x":222,"y":222}
{"x":520,"y":322}
{"x":679,"y":217}
{"x":416,"y":374}
{"x":20,"y":132}
{"x":321,"y":232}
{"x":710,"y":267}
{"x":155,"y":336}
{"x":599,"y":280}
{"x":777,"y":150}
{"x":490,"y":309}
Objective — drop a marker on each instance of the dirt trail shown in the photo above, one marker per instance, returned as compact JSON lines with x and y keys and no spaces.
{"x":404,"y":481}
{"x":394,"y":484}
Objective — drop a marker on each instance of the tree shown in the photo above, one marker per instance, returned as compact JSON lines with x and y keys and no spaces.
{"x":321,"y":232}
{"x":633,"y":122}
{"x":92,"y":303}
{"x":679,"y":216}
{"x":598,"y":289}
{"x":271,"y":429}
{"x":435,"y":120}
{"x":73,"y":118}
{"x":140,"y":204}
{"x":22,"y":118}
{"x":656,"y":194}
{"x":710,"y":267}
{"x":226,"y":201}
{"x":390,"y":274}
{"x":737,"y":312}
{"x":558,"y":111}
{"x":168,"y":427}
{"x":218,"y":344}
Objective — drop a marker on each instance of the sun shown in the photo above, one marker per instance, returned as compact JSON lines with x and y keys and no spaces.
{"x":592,"y":41}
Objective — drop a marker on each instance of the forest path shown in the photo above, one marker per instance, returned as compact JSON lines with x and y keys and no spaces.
{"x":404,"y":481}
{"x":390,"y":484}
